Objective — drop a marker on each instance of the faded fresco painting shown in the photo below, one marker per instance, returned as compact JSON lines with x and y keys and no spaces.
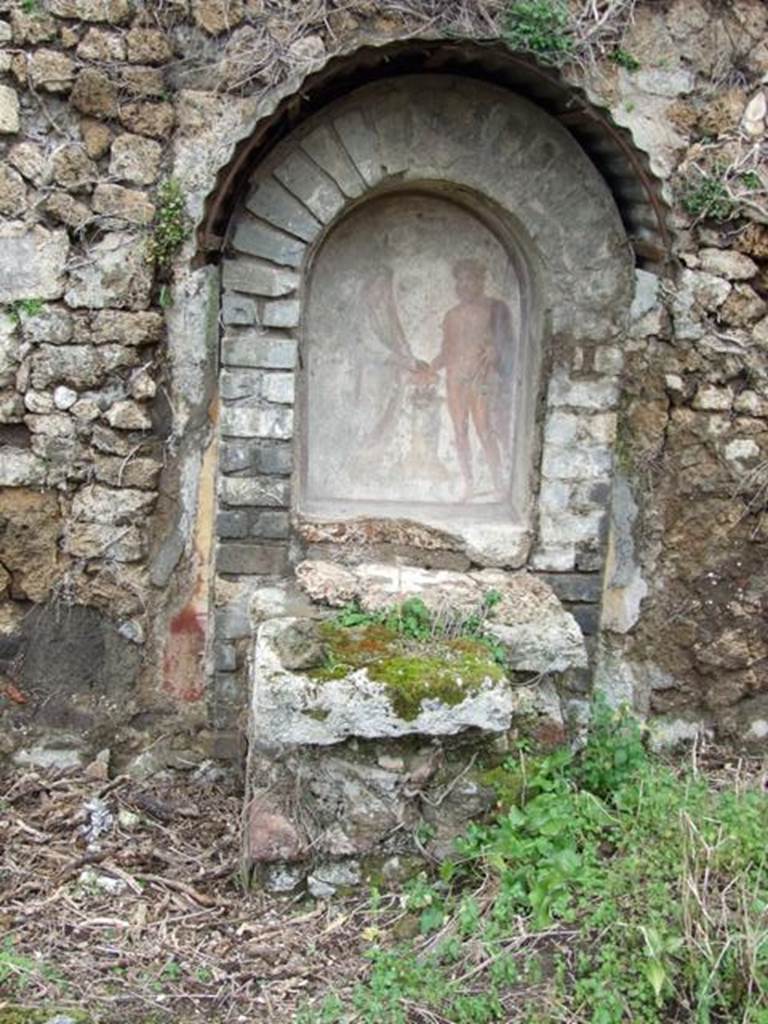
{"x":411,"y":358}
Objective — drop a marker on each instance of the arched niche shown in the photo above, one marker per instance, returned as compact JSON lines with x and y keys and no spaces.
{"x":323,"y":247}
{"x":421,"y":350}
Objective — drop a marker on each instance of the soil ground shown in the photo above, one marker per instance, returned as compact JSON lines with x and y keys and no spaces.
{"x":123,"y":900}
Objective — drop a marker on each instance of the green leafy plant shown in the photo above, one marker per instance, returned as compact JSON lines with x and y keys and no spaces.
{"x":171,"y":225}
{"x":24,"y":308}
{"x":540,"y":27}
{"x":708,"y":197}
{"x":630,"y":891}
{"x":624,"y":59}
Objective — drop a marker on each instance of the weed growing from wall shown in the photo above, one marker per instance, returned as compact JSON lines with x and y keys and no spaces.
{"x":540,"y":27}
{"x":708,"y":197}
{"x":171,"y":226}
{"x":24,"y":308}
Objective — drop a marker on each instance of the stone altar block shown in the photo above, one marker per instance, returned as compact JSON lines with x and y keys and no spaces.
{"x":362,"y":736}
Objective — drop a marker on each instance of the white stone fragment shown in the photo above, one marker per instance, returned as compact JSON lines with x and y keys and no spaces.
{"x":64,"y":398}
{"x":9,"y":110}
{"x":753,"y":119}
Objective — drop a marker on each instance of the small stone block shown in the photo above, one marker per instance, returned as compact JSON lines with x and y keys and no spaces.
{"x":233,"y":525}
{"x":315,"y":189}
{"x":236,"y":384}
{"x":244,"y":275}
{"x":238,"y":309}
{"x":267,"y":242}
{"x":253,"y":348}
{"x":272,"y":526}
{"x":279,"y":387}
{"x":328,"y":154}
{"x":258,"y":491}
{"x":271,"y":202}
{"x":282,"y":313}
{"x":252,"y":559}
{"x":246,"y":421}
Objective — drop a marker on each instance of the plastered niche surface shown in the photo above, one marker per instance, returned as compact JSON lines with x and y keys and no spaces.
{"x":416,"y":359}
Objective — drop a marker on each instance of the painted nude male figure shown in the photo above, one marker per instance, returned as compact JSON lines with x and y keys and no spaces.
{"x":476,"y":348}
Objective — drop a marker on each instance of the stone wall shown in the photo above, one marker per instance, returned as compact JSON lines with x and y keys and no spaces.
{"x":109,"y":392}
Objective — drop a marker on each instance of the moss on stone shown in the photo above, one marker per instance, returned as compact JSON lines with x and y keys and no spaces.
{"x":447,"y":670}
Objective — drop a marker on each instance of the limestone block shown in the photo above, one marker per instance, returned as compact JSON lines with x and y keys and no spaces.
{"x":238,"y":384}
{"x":20,"y":468}
{"x":94,"y":93}
{"x":268,"y":422}
{"x":81,"y":366}
{"x":128,"y":415}
{"x":97,"y":137}
{"x":66,"y":209}
{"x":537,"y":632}
{"x":282,"y":313}
{"x":116,"y":274}
{"x":51,"y":71}
{"x":96,"y":503}
{"x":31,"y":262}
{"x":31,"y":523}
{"x":148,"y":46}
{"x":216,"y":16}
{"x":727,"y":263}
{"x":296,"y":709}
{"x":113,"y":327}
{"x":9,"y":110}
{"x":362,"y":144}
{"x":126,"y":203}
{"x":101,"y":45}
{"x":124,"y":543}
{"x":261,"y":240}
{"x":134,"y":471}
{"x":581,"y":394}
{"x":135,"y":159}
{"x":252,"y":559}
{"x":587,"y":462}
{"x":279,"y":387}
{"x":92,"y":10}
{"x":253,"y":348}
{"x":13,"y":192}
{"x":143,"y":118}
{"x":73,"y":168}
{"x":261,"y":491}
{"x":256,"y":278}
{"x":238,"y":309}
{"x":52,"y":324}
{"x":323,"y":148}
{"x":313,"y":188}
{"x":64,"y":398}
{"x":31,"y":161}
{"x":269,"y":201}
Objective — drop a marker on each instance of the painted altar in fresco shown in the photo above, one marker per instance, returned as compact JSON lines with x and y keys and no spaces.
{"x":412,"y":363}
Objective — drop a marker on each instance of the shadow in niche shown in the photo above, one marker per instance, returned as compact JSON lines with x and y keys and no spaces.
{"x":421,"y":351}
